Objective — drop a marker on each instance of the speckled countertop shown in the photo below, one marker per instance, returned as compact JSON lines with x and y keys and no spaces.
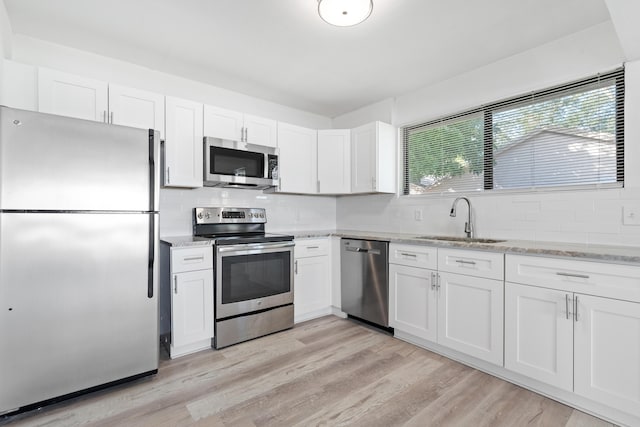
{"x":607,"y":253}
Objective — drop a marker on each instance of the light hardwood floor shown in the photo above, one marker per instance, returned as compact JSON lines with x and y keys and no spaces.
{"x":326,"y":372}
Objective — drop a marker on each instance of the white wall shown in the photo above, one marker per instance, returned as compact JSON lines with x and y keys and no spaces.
{"x":591,"y":216}
{"x":380,"y":111}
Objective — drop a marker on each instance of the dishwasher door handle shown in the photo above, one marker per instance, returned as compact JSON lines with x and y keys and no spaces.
{"x":364,"y":251}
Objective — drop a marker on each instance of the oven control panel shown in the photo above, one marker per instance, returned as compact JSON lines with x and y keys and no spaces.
{"x":229,"y":215}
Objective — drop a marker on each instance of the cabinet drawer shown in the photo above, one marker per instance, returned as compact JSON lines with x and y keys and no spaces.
{"x":311,"y":247}
{"x":413,"y":255}
{"x":588,"y":277}
{"x":191,"y":259}
{"x":472,"y":263}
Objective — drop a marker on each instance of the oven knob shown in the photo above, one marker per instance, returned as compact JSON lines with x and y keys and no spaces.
{"x":261,"y":215}
{"x":200,"y":215}
{"x":207,"y":215}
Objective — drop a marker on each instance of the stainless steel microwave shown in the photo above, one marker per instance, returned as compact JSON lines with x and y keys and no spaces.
{"x":236,"y":164}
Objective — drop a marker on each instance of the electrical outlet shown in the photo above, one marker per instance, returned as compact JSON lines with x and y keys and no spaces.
{"x":417,"y":214}
{"x":631,"y":215}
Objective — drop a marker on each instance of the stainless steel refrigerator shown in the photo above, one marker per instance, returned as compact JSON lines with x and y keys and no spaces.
{"x":78,"y":243}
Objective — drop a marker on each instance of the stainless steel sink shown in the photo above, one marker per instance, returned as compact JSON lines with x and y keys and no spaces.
{"x":460,"y":239}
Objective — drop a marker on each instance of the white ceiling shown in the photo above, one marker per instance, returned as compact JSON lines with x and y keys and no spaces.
{"x":280,"y":50}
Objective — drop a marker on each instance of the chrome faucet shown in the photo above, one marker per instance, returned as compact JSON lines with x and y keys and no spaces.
{"x":468,"y":226}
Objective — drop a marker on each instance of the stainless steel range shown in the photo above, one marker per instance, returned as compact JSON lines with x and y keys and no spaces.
{"x":253,"y":273}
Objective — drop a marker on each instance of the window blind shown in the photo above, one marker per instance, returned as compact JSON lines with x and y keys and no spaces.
{"x":571,"y":134}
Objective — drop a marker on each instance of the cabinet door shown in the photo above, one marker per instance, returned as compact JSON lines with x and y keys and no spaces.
{"x":183,"y":143}
{"x":72,"y":96}
{"x":363,"y":159}
{"x":136,"y":108}
{"x":312,"y":286}
{"x":607,"y":352}
{"x":538,"y":334}
{"x":260,"y":131}
{"x":412,"y":301}
{"x":470,"y":316}
{"x":334,"y":161}
{"x":298,"y":159}
{"x":192,"y":307}
{"x":222,"y":123}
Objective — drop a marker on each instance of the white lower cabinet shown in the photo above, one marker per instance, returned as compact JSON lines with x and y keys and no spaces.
{"x":462,"y":312}
{"x":312,"y":279}
{"x":192,"y":315}
{"x":470,"y":315}
{"x":607,"y":352}
{"x":558,"y":335}
{"x":187,"y":297}
{"x":412,"y":301}
{"x":538,"y":334}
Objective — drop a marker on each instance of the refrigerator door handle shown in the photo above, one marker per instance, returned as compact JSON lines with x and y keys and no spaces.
{"x":152,"y":169}
{"x":152,"y":249}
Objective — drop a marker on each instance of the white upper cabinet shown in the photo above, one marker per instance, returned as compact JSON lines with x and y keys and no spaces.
{"x":222,"y":123}
{"x":136,"y":108}
{"x":236,"y":126}
{"x":183,"y":143}
{"x":373,"y":158}
{"x":260,"y":131}
{"x":334,"y":161}
{"x":73,"y":96}
{"x":297,"y":161}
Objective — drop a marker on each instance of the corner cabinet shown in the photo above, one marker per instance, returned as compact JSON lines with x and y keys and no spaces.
{"x":183,"y":146}
{"x":373,"y":158}
{"x":187,"y":298}
{"x":312,"y":279}
{"x":334,"y":161}
{"x":298,"y":159}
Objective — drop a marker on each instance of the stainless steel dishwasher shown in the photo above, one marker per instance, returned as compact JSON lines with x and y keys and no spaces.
{"x":365,"y":280}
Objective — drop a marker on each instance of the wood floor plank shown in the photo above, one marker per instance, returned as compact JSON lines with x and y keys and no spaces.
{"x":328,"y":371}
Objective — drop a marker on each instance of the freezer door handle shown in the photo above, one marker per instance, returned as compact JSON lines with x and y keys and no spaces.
{"x":152,"y":170}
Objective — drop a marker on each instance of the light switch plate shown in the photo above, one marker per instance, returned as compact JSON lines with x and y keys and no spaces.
{"x":631,"y":215}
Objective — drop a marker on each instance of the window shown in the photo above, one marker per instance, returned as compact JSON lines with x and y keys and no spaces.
{"x":567,"y":135}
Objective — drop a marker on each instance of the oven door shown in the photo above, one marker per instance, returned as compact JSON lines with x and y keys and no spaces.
{"x":252,"y":277}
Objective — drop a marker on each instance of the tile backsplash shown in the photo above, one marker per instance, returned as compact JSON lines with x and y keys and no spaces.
{"x":284,"y":212}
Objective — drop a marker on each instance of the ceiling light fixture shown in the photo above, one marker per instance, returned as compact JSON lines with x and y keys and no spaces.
{"x":344,"y":13}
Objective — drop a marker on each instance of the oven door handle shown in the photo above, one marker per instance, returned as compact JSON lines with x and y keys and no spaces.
{"x":254,"y":246}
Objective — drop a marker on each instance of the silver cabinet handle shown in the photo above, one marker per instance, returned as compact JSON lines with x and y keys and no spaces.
{"x":168,"y":175}
{"x":433,"y":281}
{"x":462,"y":261}
{"x":246,"y":134}
{"x":566,"y":305}
{"x":579,"y":276}
{"x":438,"y":281}
{"x":194,"y":258}
{"x":175,"y":284}
{"x":104,"y":116}
{"x":373,"y":183}
{"x":575,"y":308}
{"x":363,"y":251}
{"x":111,"y":118}
{"x":318,"y":186}
{"x":295,"y":266}
{"x":313,"y":247}
{"x":409,"y":255}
